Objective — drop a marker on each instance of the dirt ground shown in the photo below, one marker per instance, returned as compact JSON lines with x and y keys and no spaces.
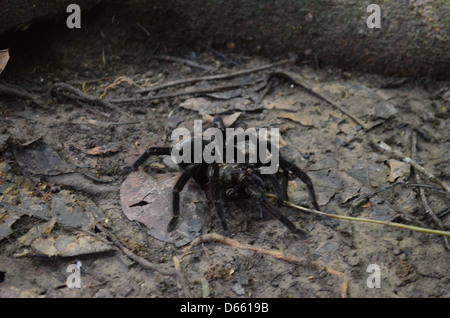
{"x":62,"y":160}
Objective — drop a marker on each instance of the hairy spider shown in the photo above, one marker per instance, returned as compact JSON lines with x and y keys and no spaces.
{"x":234,"y":180}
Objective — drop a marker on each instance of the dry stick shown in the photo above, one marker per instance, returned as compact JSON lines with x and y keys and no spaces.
{"x":91,"y":109}
{"x":182,"y":93}
{"x":335,"y":105}
{"x":344,"y":287}
{"x":427,"y":207}
{"x":359,"y":201}
{"x":213,"y":237}
{"x":443,"y":212}
{"x":206,"y":253}
{"x":260,"y":97}
{"x":421,"y":190}
{"x":17,"y":91}
{"x":212,"y":77}
{"x":378,"y":144}
{"x":114,"y":84}
{"x":144,"y":263}
{"x":184,"y":61}
{"x":350,"y":218}
{"x":322,"y":97}
{"x":218,"y":54}
{"x":78,"y":94}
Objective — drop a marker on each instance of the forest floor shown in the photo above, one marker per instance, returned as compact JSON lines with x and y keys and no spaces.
{"x":63,"y":188}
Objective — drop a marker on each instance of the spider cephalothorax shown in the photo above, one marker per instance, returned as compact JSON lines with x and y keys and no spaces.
{"x":235,"y":180}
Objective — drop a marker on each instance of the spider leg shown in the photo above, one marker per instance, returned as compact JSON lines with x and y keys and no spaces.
{"x":258,"y":179}
{"x":279,"y":191}
{"x":151,"y":151}
{"x":216,"y":193}
{"x":265,"y":204}
{"x":179,"y":185}
{"x":291,"y":226}
{"x":287,"y":165}
{"x":284,"y":183}
{"x":262,"y":181}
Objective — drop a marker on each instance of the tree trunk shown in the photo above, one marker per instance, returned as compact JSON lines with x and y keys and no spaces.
{"x":413,"y":38}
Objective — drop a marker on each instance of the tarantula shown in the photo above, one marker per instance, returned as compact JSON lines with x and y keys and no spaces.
{"x":233,"y":181}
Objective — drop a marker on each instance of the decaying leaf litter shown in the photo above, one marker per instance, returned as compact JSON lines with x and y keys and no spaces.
{"x":65,"y":196}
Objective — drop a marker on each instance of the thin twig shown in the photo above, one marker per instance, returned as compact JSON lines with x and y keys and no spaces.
{"x":117,"y":81}
{"x":184,"y":61}
{"x":322,"y":97}
{"x":143,"y":28}
{"x":443,"y":212}
{"x":79,"y":95}
{"x":380,"y":145}
{"x":213,"y":237}
{"x":350,"y":218}
{"x":177,"y":94}
{"x":17,"y":91}
{"x":212,"y":77}
{"x":344,"y":288}
{"x":91,"y":109}
{"x":206,"y":253}
{"x":266,"y":89}
{"x":423,"y":198}
{"x":218,"y":54}
{"x":144,"y":263}
{"x":359,"y":201}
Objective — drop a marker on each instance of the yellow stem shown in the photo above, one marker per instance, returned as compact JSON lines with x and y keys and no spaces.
{"x":350,"y":218}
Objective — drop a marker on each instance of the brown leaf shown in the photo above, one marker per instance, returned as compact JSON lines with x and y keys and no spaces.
{"x":37,"y":231}
{"x":110,"y":148}
{"x":303,"y":119}
{"x":229,"y":120}
{"x":399,"y":169}
{"x":148,"y":199}
{"x":4,"y":58}
{"x":206,"y":107}
{"x":367,"y":205}
{"x":69,"y":246}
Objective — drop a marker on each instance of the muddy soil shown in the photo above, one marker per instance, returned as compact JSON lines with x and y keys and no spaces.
{"x":62,"y":160}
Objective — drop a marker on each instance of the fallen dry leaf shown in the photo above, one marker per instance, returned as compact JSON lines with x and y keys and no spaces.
{"x":213,"y":107}
{"x":148,"y":199}
{"x":69,"y":246}
{"x":4,"y":58}
{"x":399,"y":169}
{"x":61,"y":245}
{"x":228,"y":120}
{"x":303,"y":119}
{"x":107,"y":149}
{"x":37,"y":231}
{"x":367,"y":205}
